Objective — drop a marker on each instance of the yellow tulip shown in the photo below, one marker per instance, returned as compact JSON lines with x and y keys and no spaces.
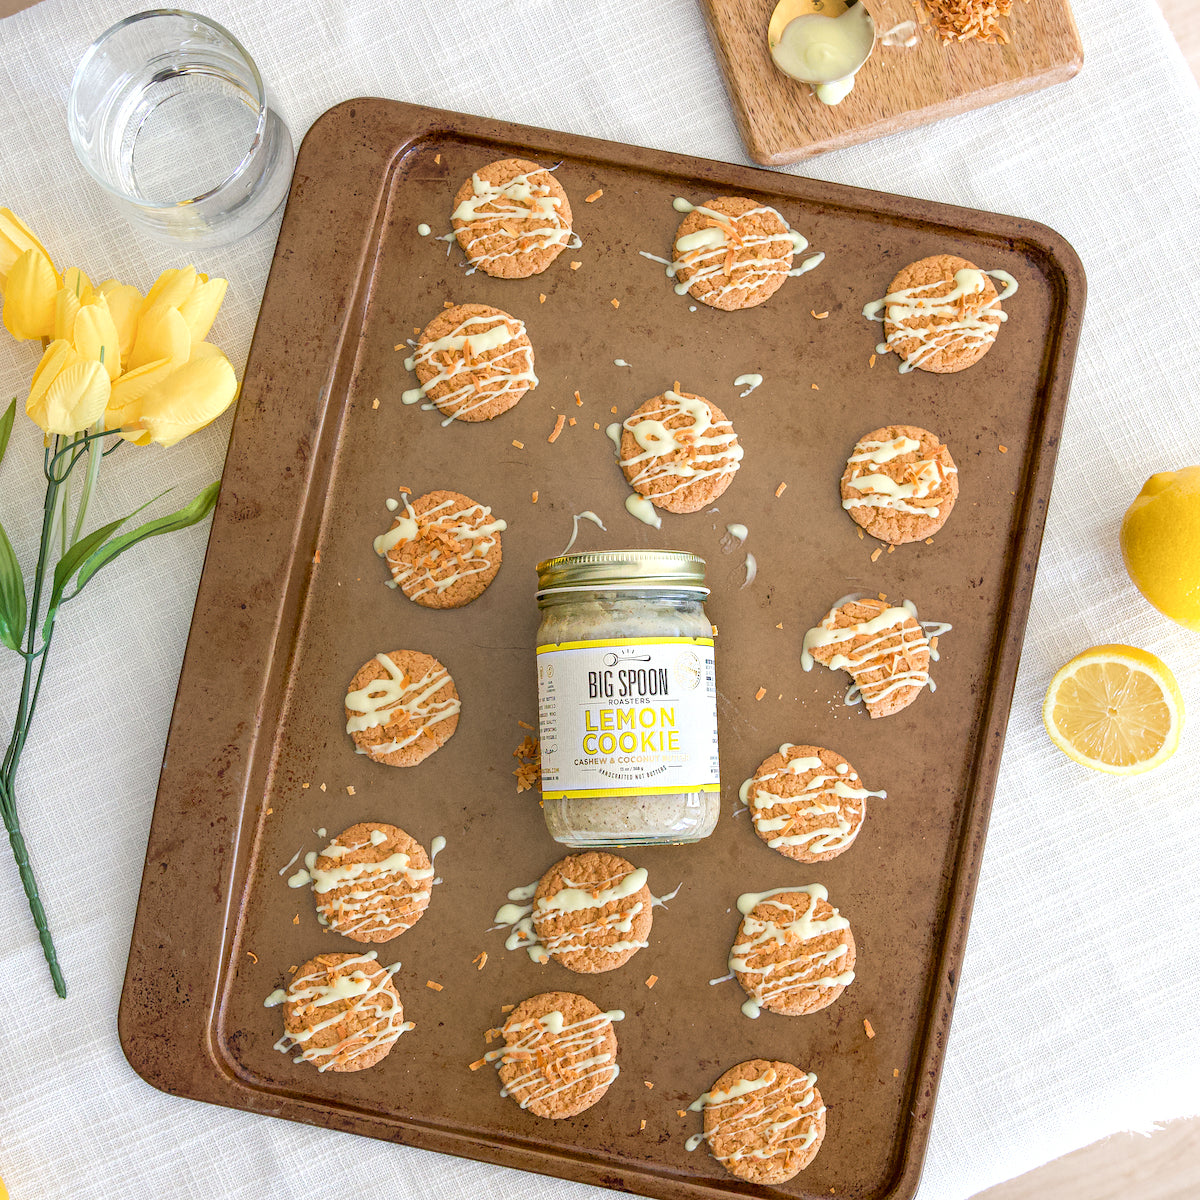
{"x":15,"y":238}
{"x":29,"y":296}
{"x":95,"y":335}
{"x":161,"y":333}
{"x":187,"y":400}
{"x":196,"y":296}
{"x":66,"y":309}
{"x":127,"y":390}
{"x":74,"y":280}
{"x":125,"y":305}
{"x":69,"y":392}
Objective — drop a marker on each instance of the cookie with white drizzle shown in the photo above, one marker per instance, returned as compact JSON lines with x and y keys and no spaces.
{"x":884,"y":648}
{"x":900,"y":484}
{"x":559,"y":1055}
{"x":764,"y":1121}
{"x":593,"y":911}
{"x":370,"y":884}
{"x":341,"y":1012}
{"x":941,"y":313}
{"x":512,"y":219}
{"x":732,"y":253}
{"x":444,"y":549}
{"x":401,"y":707}
{"x":794,"y":952}
{"x":474,"y":362}
{"x":679,"y":451}
{"x":807,"y":802}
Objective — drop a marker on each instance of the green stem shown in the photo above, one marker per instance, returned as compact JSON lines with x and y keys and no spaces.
{"x":95,"y":455}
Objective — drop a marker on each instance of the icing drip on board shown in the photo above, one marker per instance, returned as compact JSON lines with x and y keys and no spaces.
{"x":802,"y":968}
{"x":959,"y":324}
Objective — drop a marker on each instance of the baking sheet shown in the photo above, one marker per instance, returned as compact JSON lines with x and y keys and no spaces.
{"x":292,"y":602}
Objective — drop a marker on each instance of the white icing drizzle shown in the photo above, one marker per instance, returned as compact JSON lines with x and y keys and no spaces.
{"x":613,"y":433}
{"x":956,"y":327}
{"x":288,"y":865}
{"x":378,"y":703}
{"x":641,"y":508}
{"x":710,"y":447}
{"x":524,"y":208}
{"x":586,"y":515}
{"x":712,"y":252}
{"x":749,"y":382}
{"x":781,"y":1122}
{"x":366,"y":895}
{"x":751,"y":571}
{"x":576,"y":1051}
{"x":582,"y":898}
{"x":916,"y":481}
{"x":803,"y":968}
{"x":370,"y":999}
{"x":458,"y":354}
{"x":391,"y":505}
{"x":893,"y":637}
{"x":735,"y":535}
{"x":460,"y":541}
{"x":424,"y":229}
{"x":620,"y":362}
{"x":821,"y":800}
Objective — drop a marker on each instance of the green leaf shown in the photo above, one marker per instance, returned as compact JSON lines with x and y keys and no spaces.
{"x":12,"y":596}
{"x":190,"y":514}
{"x":6,"y":424}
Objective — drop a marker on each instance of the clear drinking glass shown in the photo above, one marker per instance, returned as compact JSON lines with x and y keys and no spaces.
{"x":170,"y":116}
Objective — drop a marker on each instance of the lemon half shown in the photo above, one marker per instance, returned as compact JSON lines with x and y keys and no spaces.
{"x":1115,"y":709}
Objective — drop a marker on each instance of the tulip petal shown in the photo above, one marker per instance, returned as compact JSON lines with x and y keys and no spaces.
{"x":188,"y":399}
{"x":96,"y":336}
{"x":128,"y":390}
{"x":200,"y":308}
{"x":15,"y":238}
{"x":54,"y":358}
{"x":74,"y":280}
{"x":66,"y":309}
{"x":125,"y":304}
{"x":161,"y":333}
{"x":29,"y":297}
{"x":172,"y":287}
{"x":70,"y":399}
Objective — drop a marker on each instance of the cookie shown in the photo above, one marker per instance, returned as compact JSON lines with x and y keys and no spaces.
{"x":679,"y":451}
{"x":444,"y":550}
{"x":940,"y":314}
{"x":592,"y":912}
{"x":401,"y":707}
{"x":883,"y":647}
{"x":764,"y":1121}
{"x":342,"y":1013}
{"x":900,"y":484}
{"x":794,"y":953}
{"x":371,"y":883}
{"x":807,"y":802}
{"x":731,"y":253}
{"x":512,"y":219}
{"x":559,"y":1054}
{"x":474,"y":363}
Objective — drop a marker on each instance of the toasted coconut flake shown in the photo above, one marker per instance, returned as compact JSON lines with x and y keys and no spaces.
{"x":876,"y":553}
{"x":558,"y":428}
{"x":519,"y":445}
{"x":578,"y":400}
{"x":481,"y":959}
{"x":375,"y":402}
{"x":595,"y":424}
{"x":479,"y":1062}
{"x":447,"y":304}
{"x":615,"y":302}
{"x":820,"y":316}
{"x":868,"y":1027}
{"x":525,"y":725}
{"x":529,"y":755}
{"x":437,"y":158}
{"x":349,"y":789}
{"x":780,"y":490}
{"x":252,"y":956}
{"x":814,"y":387}
{"x":576,"y":265}
{"x":651,"y":981}
{"x":541,"y":297}
{"x":964,"y":20}
{"x":507,"y":1008}
{"x":647,"y":1083}
{"x":316,"y":558}
{"x":296,"y":919}
{"x":871,"y":363}
{"x":429,"y":983}
{"x":643,"y":1124}
{"x":594,"y":196}
{"x":533,"y":497}
{"x":762,"y":691}
{"x":1003,"y":449}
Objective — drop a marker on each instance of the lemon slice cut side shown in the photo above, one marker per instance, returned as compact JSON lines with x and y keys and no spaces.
{"x":1116,"y":709}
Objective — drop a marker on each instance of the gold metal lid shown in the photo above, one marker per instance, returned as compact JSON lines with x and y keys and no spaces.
{"x":622,"y":570}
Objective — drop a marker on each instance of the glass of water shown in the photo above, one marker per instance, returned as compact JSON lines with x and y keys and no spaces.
{"x":170,"y":116}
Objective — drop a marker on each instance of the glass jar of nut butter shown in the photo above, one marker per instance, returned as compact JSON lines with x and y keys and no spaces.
{"x":627,"y":699}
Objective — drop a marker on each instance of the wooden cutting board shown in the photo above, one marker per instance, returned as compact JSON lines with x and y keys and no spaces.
{"x":899,"y":87}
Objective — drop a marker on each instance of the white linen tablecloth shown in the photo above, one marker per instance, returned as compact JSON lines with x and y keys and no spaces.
{"x":1077,"y":1010}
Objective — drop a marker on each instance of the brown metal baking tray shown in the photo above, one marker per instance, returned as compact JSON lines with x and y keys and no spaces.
{"x":292,"y":602}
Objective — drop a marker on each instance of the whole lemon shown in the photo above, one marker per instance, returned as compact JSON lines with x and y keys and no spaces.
{"x":1160,"y":542}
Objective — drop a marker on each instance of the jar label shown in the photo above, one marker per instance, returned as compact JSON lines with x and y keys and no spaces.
{"x":628,"y":717}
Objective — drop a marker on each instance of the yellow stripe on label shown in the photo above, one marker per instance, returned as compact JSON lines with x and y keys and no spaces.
{"x":645,"y":641}
{"x":592,"y":793}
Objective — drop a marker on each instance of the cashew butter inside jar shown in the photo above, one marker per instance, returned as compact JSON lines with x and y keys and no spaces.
{"x":627,"y":699}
